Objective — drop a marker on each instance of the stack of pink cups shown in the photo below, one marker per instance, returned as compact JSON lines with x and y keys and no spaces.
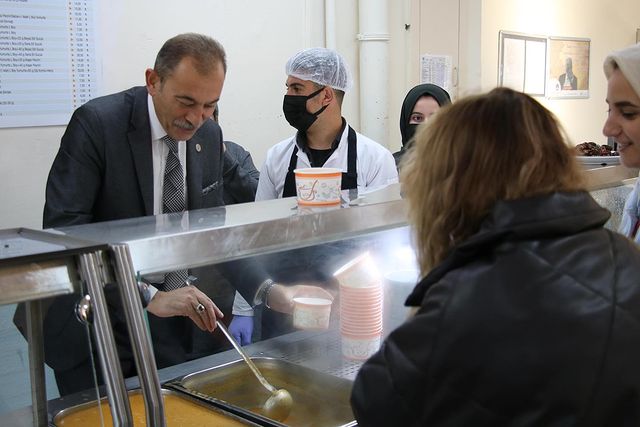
{"x":360,"y":307}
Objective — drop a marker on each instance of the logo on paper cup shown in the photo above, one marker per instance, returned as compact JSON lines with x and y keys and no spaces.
{"x":318,"y":186}
{"x":306,"y":192}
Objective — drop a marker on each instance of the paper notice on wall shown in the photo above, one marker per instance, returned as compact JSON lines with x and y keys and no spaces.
{"x":48,"y":60}
{"x":436,"y":69}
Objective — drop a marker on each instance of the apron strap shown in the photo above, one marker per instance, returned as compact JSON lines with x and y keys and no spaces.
{"x":350,"y":179}
{"x":289,"y":189}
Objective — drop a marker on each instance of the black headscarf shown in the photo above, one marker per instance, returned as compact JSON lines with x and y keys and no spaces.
{"x":440,"y":95}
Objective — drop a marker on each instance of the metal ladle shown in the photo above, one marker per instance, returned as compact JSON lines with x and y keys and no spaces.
{"x":278,"y":405}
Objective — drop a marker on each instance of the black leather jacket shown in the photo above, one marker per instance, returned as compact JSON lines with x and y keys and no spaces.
{"x":533,"y":321}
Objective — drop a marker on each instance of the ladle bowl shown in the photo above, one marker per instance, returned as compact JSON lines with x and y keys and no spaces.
{"x":278,"y":406}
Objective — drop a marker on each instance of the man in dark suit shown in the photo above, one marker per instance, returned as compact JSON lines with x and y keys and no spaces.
{"x":105,"y":167}
{"x":568,"y":80}
{"x":111,"y":165}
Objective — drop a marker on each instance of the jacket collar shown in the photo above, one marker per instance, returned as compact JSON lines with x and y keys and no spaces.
{"x":553,"y":215}
{"x":140,"y":142}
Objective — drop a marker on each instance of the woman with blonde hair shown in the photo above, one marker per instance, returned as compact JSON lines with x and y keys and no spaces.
{"x":529,"y":310}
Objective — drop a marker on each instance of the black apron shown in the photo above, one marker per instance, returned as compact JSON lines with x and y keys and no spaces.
{"x":349,"y":179}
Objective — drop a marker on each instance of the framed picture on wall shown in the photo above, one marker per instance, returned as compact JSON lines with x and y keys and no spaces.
{"x":568,"y":70}
{"x":522,"y":62}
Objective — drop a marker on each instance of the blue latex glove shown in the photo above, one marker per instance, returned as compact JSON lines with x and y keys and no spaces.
{"x":241,"y":328}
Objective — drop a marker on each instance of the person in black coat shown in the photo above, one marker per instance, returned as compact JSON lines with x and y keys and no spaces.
{"x":239,"y":176}
{"x":529,"y":310}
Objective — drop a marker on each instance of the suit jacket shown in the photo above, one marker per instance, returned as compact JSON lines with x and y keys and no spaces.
{"x":240,"y":175}
{"x":104,"y":171}
{"x":104,"y":168}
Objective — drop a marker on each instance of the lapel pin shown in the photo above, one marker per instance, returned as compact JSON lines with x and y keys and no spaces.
{"x":198,"y":148}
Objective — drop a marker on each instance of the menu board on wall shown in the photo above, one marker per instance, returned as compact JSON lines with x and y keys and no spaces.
{"x":47,"y":60}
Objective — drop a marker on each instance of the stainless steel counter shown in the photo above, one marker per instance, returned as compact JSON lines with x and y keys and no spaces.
{"x":207,"y":236}
{"x":217,"y":235}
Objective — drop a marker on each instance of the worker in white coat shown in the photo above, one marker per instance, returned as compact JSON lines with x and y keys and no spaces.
{"x":317,"y":80}
{"x":316,"y":84}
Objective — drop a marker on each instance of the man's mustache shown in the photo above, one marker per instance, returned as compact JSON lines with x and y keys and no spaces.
{"x":183,"y":124}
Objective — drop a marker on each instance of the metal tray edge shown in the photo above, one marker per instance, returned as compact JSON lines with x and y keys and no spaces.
{"x":235,"y":410}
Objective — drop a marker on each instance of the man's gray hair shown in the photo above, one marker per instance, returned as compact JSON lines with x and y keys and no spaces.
{"x":206,"y":52}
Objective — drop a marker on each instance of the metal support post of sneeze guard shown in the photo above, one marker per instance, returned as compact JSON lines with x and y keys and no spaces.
{"x":142,"y":347}
{"x":92,"y":272}
{"x":36,"y":363}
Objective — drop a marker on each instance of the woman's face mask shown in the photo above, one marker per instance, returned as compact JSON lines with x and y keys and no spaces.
{"x":410,"y":131}
{"x":425,"y":107}
{"x":295,"y":110}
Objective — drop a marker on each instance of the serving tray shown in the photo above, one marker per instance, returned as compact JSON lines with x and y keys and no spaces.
{"x":319,"y":399}
{"x":180,"y":410}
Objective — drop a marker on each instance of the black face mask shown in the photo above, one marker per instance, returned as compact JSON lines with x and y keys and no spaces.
{"x":295,"y":110}
{"x":410,"y":131}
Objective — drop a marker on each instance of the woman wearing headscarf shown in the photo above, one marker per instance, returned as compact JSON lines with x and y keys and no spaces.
{"x":622,"y":69}
{"x":529,"y":310}
{"x":420,"y":103}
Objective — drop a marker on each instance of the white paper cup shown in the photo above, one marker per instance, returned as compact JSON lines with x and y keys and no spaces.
{"x":360,"y":347}
{"x":360,"y":272}
{"x":318,"y":186}
{"x":311,"y":313}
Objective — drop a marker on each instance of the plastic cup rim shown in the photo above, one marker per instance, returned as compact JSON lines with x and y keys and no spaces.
{"x":314,"y":172}
{"x":312,"y":302}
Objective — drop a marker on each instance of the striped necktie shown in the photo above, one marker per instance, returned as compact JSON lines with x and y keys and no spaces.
{"x":173,"y":184}
{"x":173,"y":200}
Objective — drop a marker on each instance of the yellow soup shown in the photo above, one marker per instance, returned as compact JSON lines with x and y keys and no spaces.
{"x":179,"y":412}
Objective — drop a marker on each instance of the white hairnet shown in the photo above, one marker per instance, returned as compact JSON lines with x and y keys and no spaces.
{"x":323,"y":66}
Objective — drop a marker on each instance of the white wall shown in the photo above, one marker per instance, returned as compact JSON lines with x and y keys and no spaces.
{"x":609,"y":25}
